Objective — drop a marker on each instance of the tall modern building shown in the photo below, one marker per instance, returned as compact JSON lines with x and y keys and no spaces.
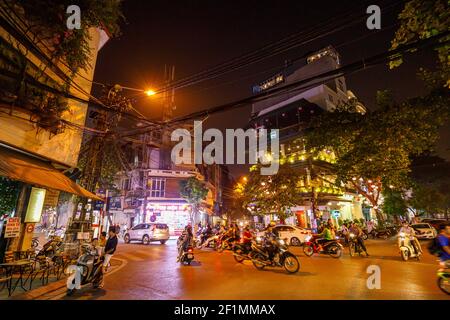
{"x":291,"y":112}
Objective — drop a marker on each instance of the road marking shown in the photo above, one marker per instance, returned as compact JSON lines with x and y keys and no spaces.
{"x":123,"y":264}
{"x":130,"y":256}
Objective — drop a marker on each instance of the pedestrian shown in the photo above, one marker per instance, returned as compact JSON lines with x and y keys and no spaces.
{"x":102,"y":241}
{"x":110,"y":248}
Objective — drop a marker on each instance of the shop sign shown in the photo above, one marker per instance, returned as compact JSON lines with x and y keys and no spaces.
{"x":30,"y":228}
{"x":83,"y":236}
{"x":12,"y":229}
{"x":335,"y":213}
{"x":115,"y":203}
{"x":35,"y":205}
{"x":51,"y":198}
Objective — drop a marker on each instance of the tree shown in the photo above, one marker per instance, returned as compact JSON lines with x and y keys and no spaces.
{"x":374,"y":149}
{"x":421,"y":19}
{"x":271,"y":194}
{"x":9,"y":190}
{"x":431,"y":188}
{"x":194,"y":191}
{"x":394,"y":203}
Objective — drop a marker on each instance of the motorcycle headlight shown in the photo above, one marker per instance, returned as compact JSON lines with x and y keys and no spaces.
{"x":352,"y":235}
{"x":258,"y":239}
{"x":401,"y":234}
{"x":281,"y":241}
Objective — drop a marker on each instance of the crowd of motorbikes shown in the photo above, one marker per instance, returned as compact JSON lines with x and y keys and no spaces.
{"x":262,"y":251}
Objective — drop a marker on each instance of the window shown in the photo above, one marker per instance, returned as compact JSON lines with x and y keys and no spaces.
{"x":138,"y":227}
{"x":157,"y":187}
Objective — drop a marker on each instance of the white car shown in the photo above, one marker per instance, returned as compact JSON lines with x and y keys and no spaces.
{"x":147,"y":232}
{"x":424,"y":231}
{"x":295,"y":235}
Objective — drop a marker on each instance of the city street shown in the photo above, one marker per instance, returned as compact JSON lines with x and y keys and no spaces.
{"x":150,"y":272}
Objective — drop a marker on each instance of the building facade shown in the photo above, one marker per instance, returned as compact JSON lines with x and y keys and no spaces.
{"x":291,"y":112}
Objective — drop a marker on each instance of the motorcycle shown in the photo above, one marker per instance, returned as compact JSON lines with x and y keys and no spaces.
{"x":187,"y":255}
{"x":88,"y":269}
{"x":380,"y":233}
{"x":224,"y":243}
{"x":406,"y":248}
{"x":51,"y":248}
{"x":443,"y":280}
{"x":282,"y":257}
{"x":332,"y":247}
{"x":242,"y":252}
{"x":354,"y":246}
{"x":35,"y":242}
{"x":210,"y":242}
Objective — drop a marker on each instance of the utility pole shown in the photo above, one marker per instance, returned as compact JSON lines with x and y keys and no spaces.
{"x":105,"y":121}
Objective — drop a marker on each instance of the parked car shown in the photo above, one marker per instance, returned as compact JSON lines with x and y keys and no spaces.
{"x":435,"y":223}
{"x":295,"y":235}
{"x":424,"y":231}
{"x":148,"y":232}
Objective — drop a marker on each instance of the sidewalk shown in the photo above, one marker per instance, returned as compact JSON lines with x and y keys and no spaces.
{"x":38,"y":291}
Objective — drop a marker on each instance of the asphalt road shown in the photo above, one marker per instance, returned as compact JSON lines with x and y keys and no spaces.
{"x":151,"y":272}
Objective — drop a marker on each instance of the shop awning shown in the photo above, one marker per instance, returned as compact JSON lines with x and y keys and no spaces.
{"x":19,"y":166}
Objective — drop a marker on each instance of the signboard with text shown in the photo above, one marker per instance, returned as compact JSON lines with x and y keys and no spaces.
{"x":12,"y":229}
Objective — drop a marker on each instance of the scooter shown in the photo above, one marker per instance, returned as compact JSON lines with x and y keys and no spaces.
{"x":282,"y":257}
{"x":210,"y":242}
{"x":443,"y":279}
{"x":406,"y":248}
{"x":87,"y":270}
{"x":332,"y":247}
{"x":243,"y":252}
{"x":187,"y":256}
{"x":354,"y":248}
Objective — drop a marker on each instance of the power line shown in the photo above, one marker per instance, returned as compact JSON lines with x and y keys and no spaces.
{"x":323,"y":77}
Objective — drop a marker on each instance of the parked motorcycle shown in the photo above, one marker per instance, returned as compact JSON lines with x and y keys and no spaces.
{"x":87,"y":270}
{"x":282,"y":257}
{"x":406,"y":248}
{"x":210,"y":242}
{"x":380,"y":233}
{"x":224,"y":243}
{"x":332,"y":247}
{"x":443,"y":278}
{"x":51,"y":248}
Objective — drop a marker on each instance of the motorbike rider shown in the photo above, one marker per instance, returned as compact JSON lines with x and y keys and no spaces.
{"x":247,"y":238}
{"x":357,"y":231}
{"x":443,"y":239}
{"x":409,"y":231}
{"x":344,"y":231}
{"x":185,"y":241}
{"x":324,"y":236}
{"x":206,"y":233}
{"x":270,"y":238}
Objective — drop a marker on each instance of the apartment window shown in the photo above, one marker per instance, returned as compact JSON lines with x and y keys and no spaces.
{"x":157,"y":187}
{"x":126,"y":184}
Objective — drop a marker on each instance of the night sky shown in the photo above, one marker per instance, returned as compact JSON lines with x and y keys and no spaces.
{"x":196,"y":35}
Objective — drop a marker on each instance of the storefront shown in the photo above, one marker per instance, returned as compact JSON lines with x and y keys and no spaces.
{"x":173,"y":213}
{"x":38,"y":183}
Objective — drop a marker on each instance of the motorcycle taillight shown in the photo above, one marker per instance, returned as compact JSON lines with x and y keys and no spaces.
{"x":190,"y":250}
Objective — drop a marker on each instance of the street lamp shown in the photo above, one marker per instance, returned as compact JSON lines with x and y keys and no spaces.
{"x":150,"y":92}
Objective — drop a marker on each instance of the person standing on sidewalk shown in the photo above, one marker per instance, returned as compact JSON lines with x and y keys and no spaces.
{"x":110,"y":247}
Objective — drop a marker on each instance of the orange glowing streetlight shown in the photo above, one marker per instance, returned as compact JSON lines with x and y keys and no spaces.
{"x":150,"y":92}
